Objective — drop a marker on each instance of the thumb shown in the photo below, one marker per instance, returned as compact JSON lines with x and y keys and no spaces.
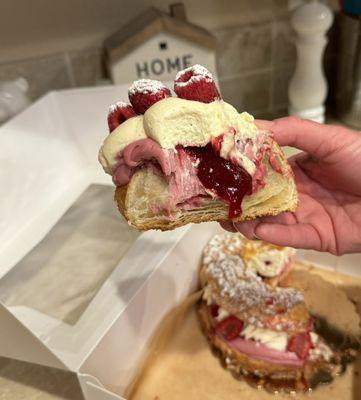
{"x":317,"y":139}
{"x":299,"y":235}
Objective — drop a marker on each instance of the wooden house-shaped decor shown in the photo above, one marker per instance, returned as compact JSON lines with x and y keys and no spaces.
{"x":156,"y":45}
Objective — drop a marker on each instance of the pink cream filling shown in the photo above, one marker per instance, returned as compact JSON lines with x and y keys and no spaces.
{"x":262,"y":352}
{"x":178,"y":168}
{"x":263,"y":147}
{"x":135,"y":154}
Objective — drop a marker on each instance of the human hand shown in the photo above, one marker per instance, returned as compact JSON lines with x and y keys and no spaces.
{"x":328,"y":179}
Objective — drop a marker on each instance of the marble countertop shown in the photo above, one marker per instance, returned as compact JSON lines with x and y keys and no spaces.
{"x":20,"y":380}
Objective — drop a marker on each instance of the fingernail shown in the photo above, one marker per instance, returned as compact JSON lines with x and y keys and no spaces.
{"x":254,"y":232}
{"x":235,"y":226}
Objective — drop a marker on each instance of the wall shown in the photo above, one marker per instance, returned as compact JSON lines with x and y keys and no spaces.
{"x":57,"y":44}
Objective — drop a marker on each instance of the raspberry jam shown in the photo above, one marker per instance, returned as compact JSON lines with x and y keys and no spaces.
{"x":230,"y":182}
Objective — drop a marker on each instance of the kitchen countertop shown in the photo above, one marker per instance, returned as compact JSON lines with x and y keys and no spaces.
{"x":20,"y":380}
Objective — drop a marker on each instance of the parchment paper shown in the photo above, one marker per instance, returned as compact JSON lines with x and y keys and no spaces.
{"x":65,"y":270}
{"x":182,"y":366}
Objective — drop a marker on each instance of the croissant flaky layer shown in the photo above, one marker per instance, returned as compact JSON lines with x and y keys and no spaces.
{"x":140,"y":200}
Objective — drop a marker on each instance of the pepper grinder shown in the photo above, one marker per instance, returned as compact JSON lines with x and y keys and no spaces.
{"x":308,"y":87}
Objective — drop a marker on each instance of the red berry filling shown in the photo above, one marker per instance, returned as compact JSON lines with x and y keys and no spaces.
{"x":300,"y":344}
{"x":228,"y":181}
{"x":213,"y":310}
{"x":229,"y":328}
{"x":196,"y":83}
{"x":146,"y":92}
{"x":217,"y":143}
{"x":118,"y":113}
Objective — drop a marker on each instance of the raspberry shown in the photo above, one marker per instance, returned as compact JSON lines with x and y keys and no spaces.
{"x":229,"y":328}
{"x":145,"y":92}
{"x":196,"y":83}
{"x":300,"y":344}
{"x":118,"y":113}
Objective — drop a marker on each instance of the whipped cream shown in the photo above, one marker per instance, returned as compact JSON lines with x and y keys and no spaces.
{"x":222,"y":314}
{"x":129,"y":131}
{"x":320,"y":348}
{"x":230,"y":149}
{"x":174,"y":121}
{"x":269,"y":262}
{"x":207,"y":295}
{"x":272,"y":339}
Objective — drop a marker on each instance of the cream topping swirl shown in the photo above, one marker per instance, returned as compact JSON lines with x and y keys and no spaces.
{"x":174,"y":121}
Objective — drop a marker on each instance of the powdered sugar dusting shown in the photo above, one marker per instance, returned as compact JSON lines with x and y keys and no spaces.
{"x":146,"y":86}
{"x":241,"y":285}
{"x":118,"y":104}
{"x":199,"y":73}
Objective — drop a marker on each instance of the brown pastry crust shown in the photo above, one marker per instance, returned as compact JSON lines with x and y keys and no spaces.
{"x":271,"y":376}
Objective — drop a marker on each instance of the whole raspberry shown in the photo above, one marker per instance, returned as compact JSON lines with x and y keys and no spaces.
{"x":300,"y":344}
{"x":229,"y":328}
{"x":196,"y":83}
{"x":145,"y":92}
{"x":118,"y":113}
